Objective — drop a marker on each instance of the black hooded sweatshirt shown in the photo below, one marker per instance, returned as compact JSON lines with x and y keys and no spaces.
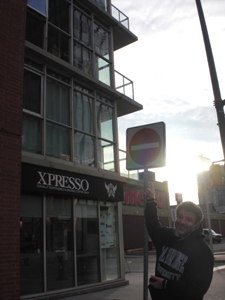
{"x":186,"y":264}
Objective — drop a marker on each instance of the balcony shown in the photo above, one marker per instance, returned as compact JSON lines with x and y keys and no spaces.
{"x":120,"y":17}
{"x":124,"y":85}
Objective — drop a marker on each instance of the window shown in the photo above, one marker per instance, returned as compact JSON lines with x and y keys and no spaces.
{"x":35,"y":29}
{"x":87,"y":242}
{"x":73,"y":36}
{"x":31,"y":245}
{"x":32,"y":110}
{"x":102,"y":64}
{"x":58,"y":29}
{"x":105,"y":134}
{"x":38,"y":5}
{"x":77,"y":125}
{"x":109,"y":240}
{"x":83,"y":114}
{"x":82,"y":27}
{"x":59,"y":243}
{"x":102,"y":4}
{"x":57,"y":230}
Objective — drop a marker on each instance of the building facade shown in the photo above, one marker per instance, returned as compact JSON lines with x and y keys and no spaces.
{"x":212,"y":202}
{"x":61,"y":189}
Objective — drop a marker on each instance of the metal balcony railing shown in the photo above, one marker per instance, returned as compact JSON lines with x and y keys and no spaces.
{"x":120,"y":16}
{"x":124,"y":85}
{"x":123,"y":171}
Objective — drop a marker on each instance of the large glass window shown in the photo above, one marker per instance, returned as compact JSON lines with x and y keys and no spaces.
{"x":57,"y":102}
{"x":35,"y":29}
{"x":82,"y":58}
{"x":38,"y":5}
{"x":63,"y":250}
{"x":105,"y":133}
{"x":32,"y":104}
{"x":59,"y":243}
{"x":59,"y":14}
{"x":31,"y":245}
{"x":58,"y":43}
{"x":105,"y":120}
{"x":82,"y":27}
{"x":71,"y":124}
{"x":109,"y":241}
{"x":87,"y":242}
{"x":58,"y":141}
{"x":74,"y":37}
{"x":32,"y":134}
{"x":102,"y":63}
{"x":32,"y":91}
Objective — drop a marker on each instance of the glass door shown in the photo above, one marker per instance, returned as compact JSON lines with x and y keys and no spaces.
{"x":87,"y":242}
{"x":59,"y":243}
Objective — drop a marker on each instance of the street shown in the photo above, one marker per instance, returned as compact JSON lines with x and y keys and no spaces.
{"x":133,"y":263}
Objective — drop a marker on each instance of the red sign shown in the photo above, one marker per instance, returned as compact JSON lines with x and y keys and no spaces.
{"x":146,"y":146}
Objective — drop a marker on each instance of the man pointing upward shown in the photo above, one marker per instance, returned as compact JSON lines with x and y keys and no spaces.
{"x":184,"y":262}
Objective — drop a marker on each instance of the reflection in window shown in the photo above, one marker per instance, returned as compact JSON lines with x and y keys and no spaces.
{"x":101,"y":41}
{"x":31,"y":245}
{"x":109,"y":240}
{"x":84,"y":149}
{"x":82,"y":58}
{"x":57,"y":141}
{"x":107,"y":155}
{"x":58,"y":43}
{"x":59,"y":243}
{"x":102,"y":4}
{"x":104,"y":121}
{"x":83,"y":112}
{"x":38,"y":5}
{"x":57,"y":103}
{"x":103,"y":69}
{"x":82,"y":28}
{"x":87,"y":242}
{"x":32,"y":133}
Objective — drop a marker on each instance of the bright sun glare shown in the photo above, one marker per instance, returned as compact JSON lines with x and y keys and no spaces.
{"x":181,"y":173}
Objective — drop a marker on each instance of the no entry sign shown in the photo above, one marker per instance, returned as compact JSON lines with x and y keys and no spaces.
{"x":146,"y":146}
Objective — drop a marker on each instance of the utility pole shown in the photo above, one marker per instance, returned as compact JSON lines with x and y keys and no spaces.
{"x":219,"y":103}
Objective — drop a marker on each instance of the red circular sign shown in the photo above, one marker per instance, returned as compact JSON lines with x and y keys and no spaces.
{"x":145,"y":146}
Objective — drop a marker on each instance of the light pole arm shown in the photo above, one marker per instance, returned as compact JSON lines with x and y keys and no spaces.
{"x":219,"y":103}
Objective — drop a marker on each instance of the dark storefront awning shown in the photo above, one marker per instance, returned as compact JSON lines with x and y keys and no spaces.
{"x":41,"y":179}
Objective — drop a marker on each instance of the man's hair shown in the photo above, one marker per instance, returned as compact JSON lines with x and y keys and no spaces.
{"x":191,"y":207}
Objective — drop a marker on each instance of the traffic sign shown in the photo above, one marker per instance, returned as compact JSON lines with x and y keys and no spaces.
{"x":146,"y":146}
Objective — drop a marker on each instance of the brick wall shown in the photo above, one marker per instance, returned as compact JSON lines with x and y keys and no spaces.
{"x":12,"y":37}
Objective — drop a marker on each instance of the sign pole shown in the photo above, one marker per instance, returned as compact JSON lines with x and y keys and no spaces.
{"x":145,"y":286}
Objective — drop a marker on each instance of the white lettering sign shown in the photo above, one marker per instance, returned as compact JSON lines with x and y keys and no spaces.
{"x":61,"y":182}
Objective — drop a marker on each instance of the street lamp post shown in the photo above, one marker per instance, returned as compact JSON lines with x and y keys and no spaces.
{"x":219,"y":103}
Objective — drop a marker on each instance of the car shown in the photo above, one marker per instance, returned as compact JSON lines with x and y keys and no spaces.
{"x":216,"y":237}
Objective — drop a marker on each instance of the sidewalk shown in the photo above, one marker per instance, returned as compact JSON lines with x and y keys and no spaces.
{"x":134,"y":290}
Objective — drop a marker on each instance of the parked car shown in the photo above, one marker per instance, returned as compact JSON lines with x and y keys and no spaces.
{"x":216,"y":237}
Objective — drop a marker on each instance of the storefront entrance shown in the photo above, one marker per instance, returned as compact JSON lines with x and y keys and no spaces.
{"x":67,"y":242}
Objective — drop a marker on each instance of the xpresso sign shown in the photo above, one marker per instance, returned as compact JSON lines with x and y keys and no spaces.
{"x":59,"y":182}
{"x":55,"y":181}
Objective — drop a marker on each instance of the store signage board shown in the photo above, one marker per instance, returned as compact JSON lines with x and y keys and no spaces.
{"x":146,"y":146}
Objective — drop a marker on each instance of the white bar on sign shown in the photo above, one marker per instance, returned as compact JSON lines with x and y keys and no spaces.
{"x":144,"y":146}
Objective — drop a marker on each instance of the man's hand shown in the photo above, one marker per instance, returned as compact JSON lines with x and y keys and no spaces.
{"x":150,"y":192}
{"x":157,"y":282}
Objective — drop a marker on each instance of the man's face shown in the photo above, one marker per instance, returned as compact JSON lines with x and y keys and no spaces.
{"x":185,"y":222}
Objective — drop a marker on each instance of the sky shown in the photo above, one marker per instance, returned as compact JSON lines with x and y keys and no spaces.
{"x":169,"y":68}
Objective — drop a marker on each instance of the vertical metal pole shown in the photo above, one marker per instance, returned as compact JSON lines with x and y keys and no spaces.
{"x":145,"y":286}
{"x":209,"y":220}
{"x":215,"y":84}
